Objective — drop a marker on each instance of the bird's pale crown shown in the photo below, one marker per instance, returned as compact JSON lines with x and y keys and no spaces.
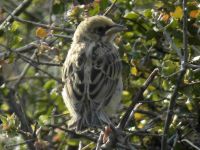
{"x":96,"y":28}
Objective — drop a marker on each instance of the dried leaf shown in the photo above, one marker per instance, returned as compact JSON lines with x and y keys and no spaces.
{"x":41,"y":32}
{"x":165,"y":17}
{"x":194,"y":13}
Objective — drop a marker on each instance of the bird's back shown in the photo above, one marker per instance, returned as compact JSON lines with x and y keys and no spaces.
{"x":92,"y":74}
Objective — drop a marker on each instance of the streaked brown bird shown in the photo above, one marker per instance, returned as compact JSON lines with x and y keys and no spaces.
{"x":92,"y":74}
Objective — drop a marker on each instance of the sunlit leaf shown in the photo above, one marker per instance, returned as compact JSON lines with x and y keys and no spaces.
{"x":49,"y":84}
{"x":138,"y":116}
{"x":134,"y":71}
{"x":131,"y":15}
{"x":178,"y":13}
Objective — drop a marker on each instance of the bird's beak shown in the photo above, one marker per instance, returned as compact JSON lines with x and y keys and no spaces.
{"x":115,"y":28}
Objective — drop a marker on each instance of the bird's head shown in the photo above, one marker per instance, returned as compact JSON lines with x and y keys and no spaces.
{"x":97,"y":28}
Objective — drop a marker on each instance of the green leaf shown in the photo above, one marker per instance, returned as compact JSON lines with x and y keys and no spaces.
{"x":58,"y":8}
{"x":131,"y":15}
{"x":148,"y":13}
{"x":95,"y":10}
{"x":3,"y":119}
{"x":44,"y":119}
{"x":49,"y":84}
{"x":103,"y":4}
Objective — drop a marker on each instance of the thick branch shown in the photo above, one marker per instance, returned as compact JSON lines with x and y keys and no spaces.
{"x":138,"y":96}
{"x":179,"y":79}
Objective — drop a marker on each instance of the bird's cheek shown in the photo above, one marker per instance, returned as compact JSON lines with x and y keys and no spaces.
{"x":108,"y":38}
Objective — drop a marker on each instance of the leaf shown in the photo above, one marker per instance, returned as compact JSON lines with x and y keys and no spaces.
{"x":41,"y":32}
{"x":131,"y":15}
{"x":188,"y":103}
{"x":72,"y":141}
{"x":95,"y":9}
{"x":15,"y":26}
{"x":178,"y":13}
{"x":134,"y":71}
{"x":138,"y":116}
{"x":58,"y":7}
{"x":126,"y":96}
{"x":148,"y":13}
{"x":43,"y":119}
{"x":103,"y":4}
{"x":3,"y":119}
{"x":49,"y":84}
{"x":165,"y":17}
{"x":194,"y":13}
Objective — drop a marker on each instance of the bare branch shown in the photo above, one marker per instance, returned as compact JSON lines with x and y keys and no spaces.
{"x":190,"y":143}
{"x":183,"y":68}
{"x":43,"y":25}
{"x":17,"y":11}
{"x":124,"y":121}
{"x":110,"y":8}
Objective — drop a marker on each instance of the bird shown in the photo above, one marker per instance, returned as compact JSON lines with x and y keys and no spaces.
{"x":92,"y":74}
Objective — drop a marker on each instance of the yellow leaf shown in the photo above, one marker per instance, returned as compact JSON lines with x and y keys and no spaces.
{"x":41,"y":32}
{"x":151,"y":88}
{"x":178,"y":13}
{"x":138,"y":116}
{"x":134,"y":71}
{"x":194,"y":13}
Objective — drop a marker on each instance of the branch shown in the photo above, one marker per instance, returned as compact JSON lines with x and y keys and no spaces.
{"x":190,"y":143}
{"x":31,"y":60}
{"x":81,"y":135}
{"x":125,"y":119}
{"x":17,"y":11}
{"x":42,"y":25}
{"x":41,"y":70}
{"x":33,"y":45}
{"x":24,"y":72}
{"x":183,"y":68}
{"x":110,"y":8}
{"x":25,"y":125}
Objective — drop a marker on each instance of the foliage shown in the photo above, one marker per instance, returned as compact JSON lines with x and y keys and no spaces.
{"x":33,"y":46}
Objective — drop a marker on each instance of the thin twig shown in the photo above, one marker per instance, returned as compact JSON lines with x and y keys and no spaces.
{"x":39,"y":63}
{"x":83,"y":135}
{"x":43,"y":25}
{"x":190,"y":143}
{"x":17,"y":144}
{"x":110,"y":8}
{"x":24,"y":71}
{"x":33,"y":45}
{"x":41,"y":70}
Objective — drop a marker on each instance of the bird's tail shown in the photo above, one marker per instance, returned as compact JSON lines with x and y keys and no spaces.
{"x":89,"y":119}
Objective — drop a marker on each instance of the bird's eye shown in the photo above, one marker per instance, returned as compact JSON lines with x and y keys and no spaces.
{"x":100,"y":30}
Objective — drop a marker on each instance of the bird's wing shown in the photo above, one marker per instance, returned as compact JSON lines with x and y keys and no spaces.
{"x":91,"y":76}
{"x":105,"y":73}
